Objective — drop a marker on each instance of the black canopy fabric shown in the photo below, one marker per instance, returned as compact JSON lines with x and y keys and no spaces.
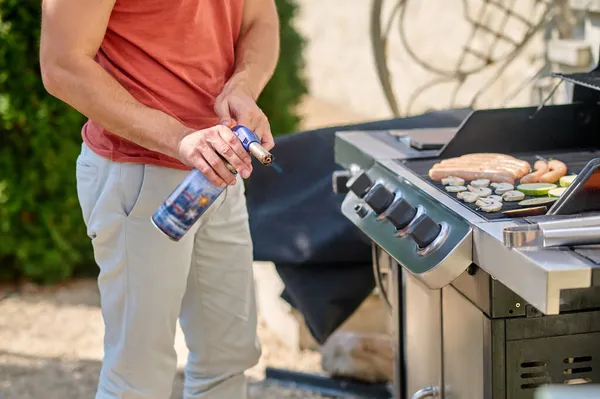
{"x":296,"y":222}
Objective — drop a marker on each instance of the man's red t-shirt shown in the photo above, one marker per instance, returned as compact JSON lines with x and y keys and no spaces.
{"x":174,"y":56}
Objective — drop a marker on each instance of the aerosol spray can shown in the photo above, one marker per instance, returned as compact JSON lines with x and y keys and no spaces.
{"x":195,"y":194}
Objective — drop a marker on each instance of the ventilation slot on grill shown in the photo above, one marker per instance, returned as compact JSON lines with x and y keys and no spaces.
{"x":579,"y":369}
{"x":527,"y":365}
{"x":534,"y":376}
{"x":581,"y":359}
{"x":534,"y":385}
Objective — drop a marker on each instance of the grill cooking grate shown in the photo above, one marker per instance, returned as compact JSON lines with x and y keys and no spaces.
{"x":575,"y":162}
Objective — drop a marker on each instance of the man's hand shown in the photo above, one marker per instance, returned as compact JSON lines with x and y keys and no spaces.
{"x":236,"y":103}
{"x":257,"y":51}
{"x":201,"y":150}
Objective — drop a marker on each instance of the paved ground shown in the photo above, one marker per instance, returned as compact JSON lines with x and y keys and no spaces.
{"x":51,"y":346}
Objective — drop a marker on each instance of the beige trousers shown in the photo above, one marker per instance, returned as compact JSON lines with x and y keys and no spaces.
{"x":147,"y":282}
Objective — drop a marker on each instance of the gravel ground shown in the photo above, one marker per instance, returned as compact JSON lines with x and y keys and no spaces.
{"x":51,"y":346}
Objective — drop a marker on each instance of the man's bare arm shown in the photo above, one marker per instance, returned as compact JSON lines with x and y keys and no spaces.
{"x":257,"y":52}
{"x":257,"y":49}
{"x":72,"y":31}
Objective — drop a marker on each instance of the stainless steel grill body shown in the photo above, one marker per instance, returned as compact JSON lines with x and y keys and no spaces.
{"x":477,"y":318}
{"x":539,"y":276}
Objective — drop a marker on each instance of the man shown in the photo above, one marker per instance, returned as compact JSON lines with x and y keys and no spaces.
{"x":160,"y":81}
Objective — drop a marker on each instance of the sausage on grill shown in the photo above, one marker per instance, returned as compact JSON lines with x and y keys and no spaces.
{"x":469,"y":174}
{"x":522,"y":167}
{"x":541,"y":167}
{"x":557,"y":170}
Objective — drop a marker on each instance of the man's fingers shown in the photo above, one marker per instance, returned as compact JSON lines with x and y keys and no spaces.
{"x":217,"y":165}
{"x":227,"y":152}
{"x":254,"y":119}
{"x":247,"y":113}
{"x":208,"y":172}
{"x":263,"y":130}
{"x":268,"y":143}
{"x":231,"y":139}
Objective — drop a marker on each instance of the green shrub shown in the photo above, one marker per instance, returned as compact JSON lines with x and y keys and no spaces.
{"x":287,"y":87}
{"x":42,"y":235}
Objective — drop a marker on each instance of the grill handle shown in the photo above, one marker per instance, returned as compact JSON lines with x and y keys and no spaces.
{"x":571,"y":236}
{"x":556,"y":233}
{"x":429,"y":392}
{"x":587,"y":221}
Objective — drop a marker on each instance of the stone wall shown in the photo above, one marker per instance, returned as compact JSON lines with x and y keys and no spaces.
{"x":341,"y":67}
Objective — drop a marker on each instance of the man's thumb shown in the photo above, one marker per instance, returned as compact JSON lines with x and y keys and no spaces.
{"x":222,"y":111}
{"x":230,"y":123}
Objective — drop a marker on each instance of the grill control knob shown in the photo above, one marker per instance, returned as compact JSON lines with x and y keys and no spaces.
{"x":361,"y":211}
{"x":379,"y":198}
{"x":424,"y":230}
{"x":400,"y":213}
{"x":359,"y":184}
{"x":339,"y":181}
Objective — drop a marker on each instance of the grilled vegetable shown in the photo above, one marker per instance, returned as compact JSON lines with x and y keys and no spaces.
{"x":538,"y":201}
{"x":502,"y":188}
{"x":481,"y":191}
{"x":453,"y":181}
{"x":469,"y":196}
{"x":557,"y":192}
{"x":536,"y":189}
{"x":455,"y":189}
{"x":484,"y":201}
{"x":513,"y":195}
{"x":497,"y":198}
{"x":488,"y":205}
{"x":480,"y":183}
{"x":566,"y":181}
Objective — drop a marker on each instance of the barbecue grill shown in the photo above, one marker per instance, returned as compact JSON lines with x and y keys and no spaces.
{"x":486,"y":305}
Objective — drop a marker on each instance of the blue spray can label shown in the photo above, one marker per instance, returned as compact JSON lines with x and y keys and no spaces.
{"x":195,"y":194}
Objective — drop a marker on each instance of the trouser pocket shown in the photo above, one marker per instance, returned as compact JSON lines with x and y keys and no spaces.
{"x":132,"y":180}
{"x":87,"y":186}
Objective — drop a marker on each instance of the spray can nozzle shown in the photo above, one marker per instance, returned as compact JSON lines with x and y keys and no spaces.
{"x":251,"y":143}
